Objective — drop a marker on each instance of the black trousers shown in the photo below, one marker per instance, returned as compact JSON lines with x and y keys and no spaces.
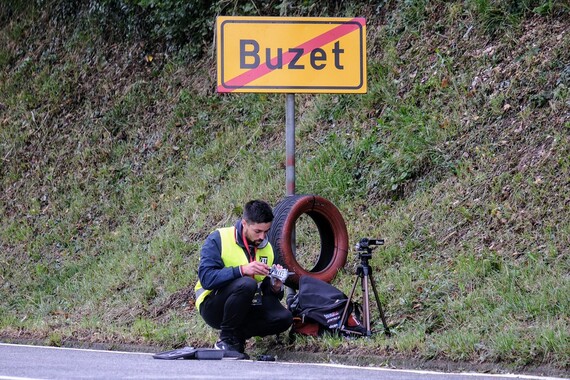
{"x":229,"y":309}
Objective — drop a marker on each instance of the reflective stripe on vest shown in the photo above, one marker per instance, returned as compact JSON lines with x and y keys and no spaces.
{"x":234,"y":256}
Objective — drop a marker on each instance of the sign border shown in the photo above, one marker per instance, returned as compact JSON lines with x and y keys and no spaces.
{"x":306,"y":89}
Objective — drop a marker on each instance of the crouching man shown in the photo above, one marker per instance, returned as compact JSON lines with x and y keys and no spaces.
{"x":234,"y":293}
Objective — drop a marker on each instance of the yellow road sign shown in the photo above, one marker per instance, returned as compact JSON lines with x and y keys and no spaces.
{"x":291,"y":54}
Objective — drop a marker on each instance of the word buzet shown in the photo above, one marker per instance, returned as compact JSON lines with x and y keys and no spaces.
{"x":251,"y":58}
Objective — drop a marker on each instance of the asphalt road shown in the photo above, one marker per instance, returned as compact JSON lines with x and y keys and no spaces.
{"x":34,"y":362}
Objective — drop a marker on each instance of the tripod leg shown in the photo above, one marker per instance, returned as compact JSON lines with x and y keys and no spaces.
{"x":382,"y":316}
{"x":344,"y":317}
{"x":366,"y":306}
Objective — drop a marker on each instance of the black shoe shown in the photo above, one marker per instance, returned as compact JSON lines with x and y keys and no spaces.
{"x":234,"y":342}
{"x":232,"y":349}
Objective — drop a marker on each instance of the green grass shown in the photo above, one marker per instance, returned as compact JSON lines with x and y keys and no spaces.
{"x":113,"y":170}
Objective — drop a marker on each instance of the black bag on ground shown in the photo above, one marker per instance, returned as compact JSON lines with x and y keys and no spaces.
{"x":318,"y":307}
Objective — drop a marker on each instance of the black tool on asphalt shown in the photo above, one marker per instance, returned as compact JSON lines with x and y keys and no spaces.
{"x":364,"y":273}
{"x":191,"y":353}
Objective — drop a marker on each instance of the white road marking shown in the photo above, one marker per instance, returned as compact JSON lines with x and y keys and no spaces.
{"x":424,"y":372}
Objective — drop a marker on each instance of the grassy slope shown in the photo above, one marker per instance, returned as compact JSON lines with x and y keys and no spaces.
{"x":113,"y":169}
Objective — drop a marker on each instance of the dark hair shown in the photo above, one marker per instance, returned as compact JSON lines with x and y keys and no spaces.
{"x":257,"y":211}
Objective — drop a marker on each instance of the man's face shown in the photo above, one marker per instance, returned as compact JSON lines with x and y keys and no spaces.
{"x":255,"y":233}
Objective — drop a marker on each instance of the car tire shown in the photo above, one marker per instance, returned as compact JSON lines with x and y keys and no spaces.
{"x":332,"y":232}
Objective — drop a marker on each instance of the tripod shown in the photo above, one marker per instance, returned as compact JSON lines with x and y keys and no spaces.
{"x":364,"y":274}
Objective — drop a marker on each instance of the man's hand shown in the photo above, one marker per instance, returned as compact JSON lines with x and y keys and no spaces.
{"x":276,"y":285}
{"x":255,"y":268}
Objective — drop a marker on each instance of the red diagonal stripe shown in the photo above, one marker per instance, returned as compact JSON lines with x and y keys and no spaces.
{"x":325,"y":38}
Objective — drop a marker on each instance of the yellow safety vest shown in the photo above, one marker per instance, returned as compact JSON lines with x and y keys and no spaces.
{"x":234,"y":256}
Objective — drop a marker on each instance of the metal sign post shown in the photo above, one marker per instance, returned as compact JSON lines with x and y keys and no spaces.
{"x":290,"y":144}
{"x":290,"y":163}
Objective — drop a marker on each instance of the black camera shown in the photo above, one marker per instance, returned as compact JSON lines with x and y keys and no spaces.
{"x":366,"y":244}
